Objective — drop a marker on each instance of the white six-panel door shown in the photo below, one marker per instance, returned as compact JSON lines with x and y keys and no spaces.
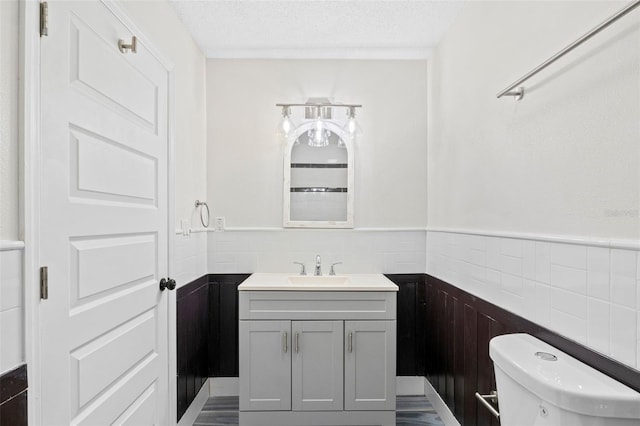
{"x":103,"y":223}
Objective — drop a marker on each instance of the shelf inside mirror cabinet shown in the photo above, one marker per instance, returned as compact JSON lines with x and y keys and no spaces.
{"x":317,"y":189}
{"x":318,"y":165}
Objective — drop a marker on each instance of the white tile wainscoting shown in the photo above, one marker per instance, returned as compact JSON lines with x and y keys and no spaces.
{"x":588,"y":291}
{"x":360,"y":251}
{"x":11,"y":305}
{"x":190,"y":257}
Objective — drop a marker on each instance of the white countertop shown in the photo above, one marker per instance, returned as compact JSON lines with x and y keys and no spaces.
{"x":292,"y":282}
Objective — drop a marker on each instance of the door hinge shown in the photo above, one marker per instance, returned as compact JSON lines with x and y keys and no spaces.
{"x":44,"y":283}
{"x":44,"y":19}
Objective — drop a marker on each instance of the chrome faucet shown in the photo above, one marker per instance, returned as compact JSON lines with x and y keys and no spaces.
{"x":318,"y":270}
{"x":303,"y":270}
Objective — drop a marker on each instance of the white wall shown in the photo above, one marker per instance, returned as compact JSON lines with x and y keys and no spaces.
{"x":9,"y":120}
{"x":514,"y":177}
{"x":563,"y":161}
{"x":245,"y":158}
{"x":161,"y":24}
{"x":190,"y":257}
{"x":365,"y":252}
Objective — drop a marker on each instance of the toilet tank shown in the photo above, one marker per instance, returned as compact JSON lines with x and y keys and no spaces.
{"x":540,"y":385}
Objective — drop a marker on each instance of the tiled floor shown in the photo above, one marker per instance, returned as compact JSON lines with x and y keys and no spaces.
{"x":410,"y":411}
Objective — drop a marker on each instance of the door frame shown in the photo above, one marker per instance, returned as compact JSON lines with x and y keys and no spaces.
{"x":30,"y":143}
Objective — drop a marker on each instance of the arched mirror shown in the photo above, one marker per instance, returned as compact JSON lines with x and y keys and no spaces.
{"x":318,"y":177}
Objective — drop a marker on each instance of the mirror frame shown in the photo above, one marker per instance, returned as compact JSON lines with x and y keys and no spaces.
{"x":286,"y":221}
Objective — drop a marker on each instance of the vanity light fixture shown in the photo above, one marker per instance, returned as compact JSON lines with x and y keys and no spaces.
{"x":320,"y":110}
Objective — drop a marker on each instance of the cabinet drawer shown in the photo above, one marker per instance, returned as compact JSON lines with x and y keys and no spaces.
{"x":317,"y":305}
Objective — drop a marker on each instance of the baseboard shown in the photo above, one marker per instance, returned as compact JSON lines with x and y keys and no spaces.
{"x":229,"y":386}
{"x":441,"y":408}
{"x":189,"y":417}
{"x":409,"y":385}
{"x":224,"y":386}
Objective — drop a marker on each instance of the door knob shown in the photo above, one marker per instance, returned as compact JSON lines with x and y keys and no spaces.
{"x":168,"y":283}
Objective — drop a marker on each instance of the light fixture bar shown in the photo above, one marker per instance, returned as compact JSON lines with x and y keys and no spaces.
{"x":319,"y":110}
{"x":321,"y":105}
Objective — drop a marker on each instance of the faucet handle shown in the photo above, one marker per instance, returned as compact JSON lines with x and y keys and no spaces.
{"x":333,"y":271}
{"x":303,"y":270}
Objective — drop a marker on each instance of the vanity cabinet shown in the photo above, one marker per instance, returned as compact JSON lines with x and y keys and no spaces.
{"x":317,"y":358}
{"x":291,"y":365}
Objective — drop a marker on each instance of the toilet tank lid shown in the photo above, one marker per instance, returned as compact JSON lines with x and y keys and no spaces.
{"x":566,"y":382}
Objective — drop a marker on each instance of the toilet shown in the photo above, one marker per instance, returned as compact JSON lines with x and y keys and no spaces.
{"x":539,"y":385}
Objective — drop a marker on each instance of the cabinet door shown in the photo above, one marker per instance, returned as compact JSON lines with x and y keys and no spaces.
{"x":265,"y":365}
{"x":317,"y":365}
{"x":370,"y":365}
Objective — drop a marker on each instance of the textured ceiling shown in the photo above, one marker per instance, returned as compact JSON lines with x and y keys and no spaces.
{"x":316,"y":28}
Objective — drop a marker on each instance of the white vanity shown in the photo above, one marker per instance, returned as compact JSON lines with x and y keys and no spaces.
{"x":317,"y":350}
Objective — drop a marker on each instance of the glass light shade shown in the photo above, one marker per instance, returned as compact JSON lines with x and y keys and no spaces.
{"x":284,"y":127}
{"x":353,"y":129}
{"x":318,"y":136}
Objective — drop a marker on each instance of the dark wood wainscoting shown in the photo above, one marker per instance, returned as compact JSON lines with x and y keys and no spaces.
{"x":13,"y":397}
{"x":223,"y":333}
{"x":192,"y":325}
{"x":457,"y":362}
{"x":411,"y":304}
{"x":207,"y":333}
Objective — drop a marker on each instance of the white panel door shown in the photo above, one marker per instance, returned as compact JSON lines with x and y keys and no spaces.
{"x":103,"y":223}
{"x":265,"y":365}
{"x":316,"y":366}
{"x":370,"y":365}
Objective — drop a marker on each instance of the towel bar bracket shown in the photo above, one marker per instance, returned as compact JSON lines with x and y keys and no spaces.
{"x":484,"y":400}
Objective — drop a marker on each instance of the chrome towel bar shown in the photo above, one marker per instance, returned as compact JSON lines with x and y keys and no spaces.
{"x":518,"y":92}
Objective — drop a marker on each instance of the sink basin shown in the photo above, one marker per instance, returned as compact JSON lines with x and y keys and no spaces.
{"x":269,"y":281}
{"x":323,"y":280}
